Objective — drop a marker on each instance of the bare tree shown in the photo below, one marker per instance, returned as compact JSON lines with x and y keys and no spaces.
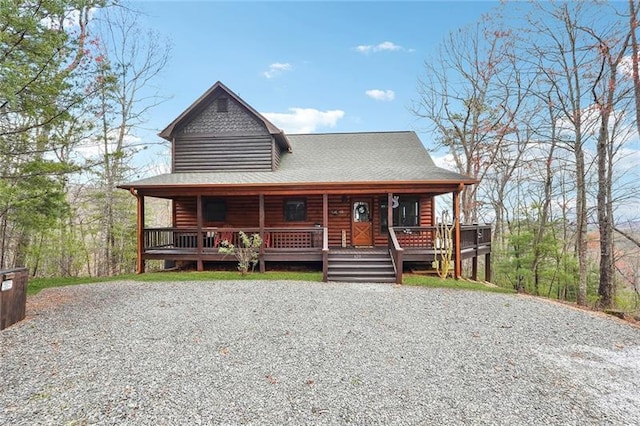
{"x":562,"y":65}
{"x":470,"y":95}
{"x":129,"y":60}
{"x":606,"y":92}
{"x":635,"y":68}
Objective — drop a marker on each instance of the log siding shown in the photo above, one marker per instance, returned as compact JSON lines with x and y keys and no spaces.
{"x":244,"y":212}
{"x":277,"y":154}
{"x":230,"y":153}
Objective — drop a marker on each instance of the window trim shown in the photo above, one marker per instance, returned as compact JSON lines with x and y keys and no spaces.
{"x":384,"y":212}
{"x":408,"y":199}
{"x":294,"y":200}
{"x":384,"y":226}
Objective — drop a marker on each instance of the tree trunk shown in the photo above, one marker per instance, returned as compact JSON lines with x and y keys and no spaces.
{"x":581,"y":223}
{"x":633,"y":25}
{"x":605,"y":226}
{"x":546,"y":204}
{"x":605,"y":155}
{"x":21,"y":247}
{"x":3,"y":244}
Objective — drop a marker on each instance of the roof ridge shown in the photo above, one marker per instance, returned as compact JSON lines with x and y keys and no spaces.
{"x":351,"y":133}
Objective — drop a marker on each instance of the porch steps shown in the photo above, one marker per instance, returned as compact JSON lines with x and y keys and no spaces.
{"x":360,"y":266}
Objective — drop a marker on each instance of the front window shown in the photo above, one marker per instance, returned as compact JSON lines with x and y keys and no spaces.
{"x":405,"y":213}
{"x":361,"y":212}
{"x":214,"y":209}
{"x":295,"y":210}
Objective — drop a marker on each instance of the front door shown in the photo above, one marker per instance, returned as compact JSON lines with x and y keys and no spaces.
{"x":361,"y":223}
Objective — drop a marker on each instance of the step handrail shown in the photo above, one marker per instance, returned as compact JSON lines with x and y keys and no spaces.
{"x":396,"y":253}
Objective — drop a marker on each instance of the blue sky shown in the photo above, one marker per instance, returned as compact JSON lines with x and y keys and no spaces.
{"x":308,"y":66}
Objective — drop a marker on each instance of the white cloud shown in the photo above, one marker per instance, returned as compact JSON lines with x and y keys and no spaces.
{"x":276,"y":69}
{"x":626,"y":66}
{"x":388,"y":46}
{"x":93,"y":149}
{"x":620,"y":122}
{"x":627,"y":159}
{"x":381,"y":95}
{"x":304,"y":120}
{"x":71,"y":19}
{"x":445,"y":161}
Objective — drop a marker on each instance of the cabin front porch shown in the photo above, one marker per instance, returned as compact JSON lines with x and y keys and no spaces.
{"x":417,"y":244}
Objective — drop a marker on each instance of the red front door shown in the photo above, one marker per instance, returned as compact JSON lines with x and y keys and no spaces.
{"x":361,"y":223}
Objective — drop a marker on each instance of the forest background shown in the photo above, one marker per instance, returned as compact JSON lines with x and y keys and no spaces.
{"x":538,"y":101}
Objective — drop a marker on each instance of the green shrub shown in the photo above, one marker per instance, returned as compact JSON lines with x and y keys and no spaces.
{"x":247,"y":254}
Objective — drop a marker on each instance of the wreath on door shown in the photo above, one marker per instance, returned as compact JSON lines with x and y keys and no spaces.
{"x":362,"y":209}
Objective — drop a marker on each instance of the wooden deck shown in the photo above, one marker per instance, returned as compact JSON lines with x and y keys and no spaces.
{"x":406,"y":244}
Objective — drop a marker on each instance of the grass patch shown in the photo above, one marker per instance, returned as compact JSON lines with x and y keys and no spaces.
{"x":37,"y":284}
{"x":627,"y":300}
{"x":437,"y":282}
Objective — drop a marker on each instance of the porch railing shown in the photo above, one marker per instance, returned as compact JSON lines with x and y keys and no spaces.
{"x":424,"y":237}
{"x":210,"y":239}
{"x":396,"y":254}
{"x":307,"y":242}
{"x":293,"y":238}
{"x":474,"y":240}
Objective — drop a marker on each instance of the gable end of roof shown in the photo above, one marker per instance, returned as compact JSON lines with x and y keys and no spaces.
{"x":200,"y":103}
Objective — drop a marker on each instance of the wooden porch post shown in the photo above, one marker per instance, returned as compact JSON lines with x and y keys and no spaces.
{"x":457,"y":271}
{"x":140,"y":234}
{"x":261,"y":226}
{"x":325,"y":229}
{"x":474,"y":260}
{"x":389,"y":210}
{"x":487,"y":267}
{"x":325,"y":210}
{"x":399,"y":254}
{"x":199,"y":221}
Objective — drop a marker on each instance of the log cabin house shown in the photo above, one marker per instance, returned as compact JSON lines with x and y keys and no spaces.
{"x":359,"y":204}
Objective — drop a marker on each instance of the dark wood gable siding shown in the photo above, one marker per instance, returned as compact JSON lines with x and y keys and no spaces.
{"x":277,"y":155}
{"x":233,"y":140}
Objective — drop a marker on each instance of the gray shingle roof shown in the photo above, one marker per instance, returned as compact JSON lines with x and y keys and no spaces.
{"x":332,"y":157}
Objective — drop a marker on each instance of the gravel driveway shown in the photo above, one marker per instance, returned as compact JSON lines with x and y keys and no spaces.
{"x":312,"y":353}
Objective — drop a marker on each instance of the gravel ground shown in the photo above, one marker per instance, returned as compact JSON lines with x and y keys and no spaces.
{"x":312,"y":353}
